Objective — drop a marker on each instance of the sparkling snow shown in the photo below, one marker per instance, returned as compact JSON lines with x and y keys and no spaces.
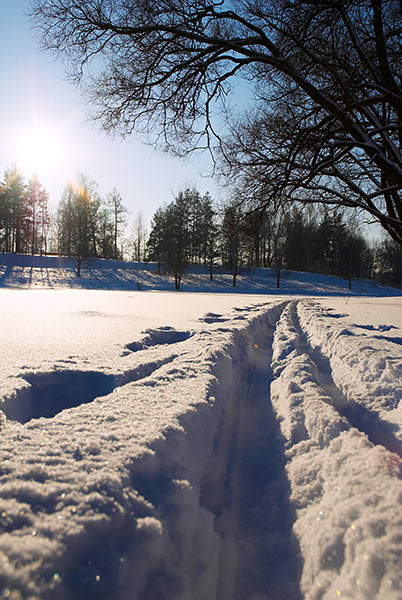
{"x":199,"y":446}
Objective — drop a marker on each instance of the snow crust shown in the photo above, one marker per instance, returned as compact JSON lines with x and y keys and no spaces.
{"x":199,"y":446}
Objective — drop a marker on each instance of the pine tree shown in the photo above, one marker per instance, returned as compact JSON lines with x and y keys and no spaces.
{"x":231,"y":240}
{"x":157,"y":241}
{"x":118,"y":212}
{"x":79,"y":221}
{"x":12,"y":194}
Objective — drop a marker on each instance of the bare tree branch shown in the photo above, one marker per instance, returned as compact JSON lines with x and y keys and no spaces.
{"x":328,"y":103}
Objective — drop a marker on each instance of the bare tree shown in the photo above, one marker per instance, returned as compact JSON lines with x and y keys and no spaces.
{"x":327,"y":119}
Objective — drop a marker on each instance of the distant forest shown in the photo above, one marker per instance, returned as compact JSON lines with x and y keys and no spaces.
{"x":191,"y":230}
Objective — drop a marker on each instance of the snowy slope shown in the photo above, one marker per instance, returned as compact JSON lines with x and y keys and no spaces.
{"x":200,"y":446}
{"x":38,"y":272}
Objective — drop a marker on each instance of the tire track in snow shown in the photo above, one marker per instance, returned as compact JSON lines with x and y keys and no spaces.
{"x":359,"y":417}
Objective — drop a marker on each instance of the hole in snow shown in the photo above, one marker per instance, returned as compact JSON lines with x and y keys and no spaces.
{"x":213,"y":318}
{"x":380,"y":327}
{"x":334,"y":315}
{"x":50,"y":393}
{"x":156,"y":337}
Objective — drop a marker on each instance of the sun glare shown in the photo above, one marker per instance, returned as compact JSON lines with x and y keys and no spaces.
{"x":39,"y":149}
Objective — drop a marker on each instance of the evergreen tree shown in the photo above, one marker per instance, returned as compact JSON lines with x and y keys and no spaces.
{"x":171,"y":241}
{"x":157,"y":242}
{"x":297,"y":241}
{"x":178,"y":235}
{"x":79,"y":221}
{"x":12,"y":199}
{"x":389,"y":263}
{"x":118,"y":213}
{"x":231,"y":242}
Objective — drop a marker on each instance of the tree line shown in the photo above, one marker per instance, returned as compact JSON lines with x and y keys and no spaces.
{"x":83,"y":226}
{"x":24,"y":214}
{"x":88,"y":226}
{"x":191,"y":230}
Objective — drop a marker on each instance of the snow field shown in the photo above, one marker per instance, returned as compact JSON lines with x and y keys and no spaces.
{"x":218,"y":458}
{"x":346,"y":489}
{"x":119,"y":496}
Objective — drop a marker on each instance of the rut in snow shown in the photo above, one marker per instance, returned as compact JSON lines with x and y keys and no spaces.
{"x":254,"y":518}
{"x":363,"y":419}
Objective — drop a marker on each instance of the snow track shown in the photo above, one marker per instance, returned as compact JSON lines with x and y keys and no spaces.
{"x":228,"y":463}
{"x":245,"y":485}
{"x":366,"y":420}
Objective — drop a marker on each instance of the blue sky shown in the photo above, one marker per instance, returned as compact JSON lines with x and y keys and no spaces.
{"x":37,"y":98}
{"x":44,"y":129}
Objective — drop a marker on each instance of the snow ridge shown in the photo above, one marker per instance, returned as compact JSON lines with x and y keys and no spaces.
{"x":349,"y":547}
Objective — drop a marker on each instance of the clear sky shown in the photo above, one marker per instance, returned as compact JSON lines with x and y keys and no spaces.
{"x":44,"y":128}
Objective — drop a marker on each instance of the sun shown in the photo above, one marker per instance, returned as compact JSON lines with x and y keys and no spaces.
{"x":39,"y":148}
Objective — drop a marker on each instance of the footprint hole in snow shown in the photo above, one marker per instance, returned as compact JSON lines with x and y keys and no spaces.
{"x":50,"y":393}
{"x":380,"y":327}
{"x":213,"y":318}
{"x":158,"y":337}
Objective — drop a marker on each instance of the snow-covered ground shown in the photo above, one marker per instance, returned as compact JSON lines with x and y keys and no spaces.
{"x":33,"y":272}
{"x":199,"y":446}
